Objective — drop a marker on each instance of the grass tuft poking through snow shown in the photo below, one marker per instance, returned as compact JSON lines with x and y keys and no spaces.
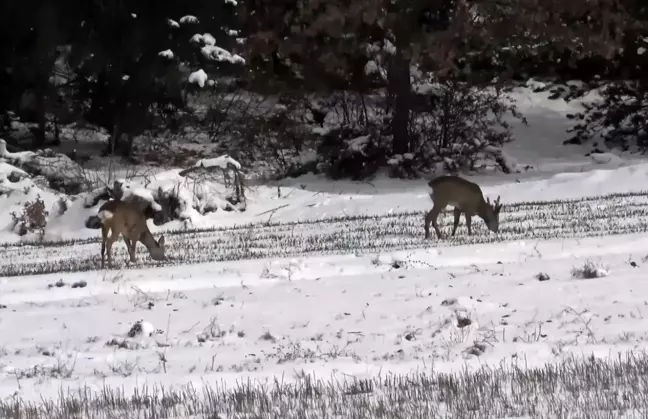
{"x":589,"y":270}
{"x":575,"y":387}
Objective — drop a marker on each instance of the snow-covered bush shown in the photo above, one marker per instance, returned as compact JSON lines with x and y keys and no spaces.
{"x":58,"y":169}
{"x":33,"y":218}
{"x":352,"y":153}
{"x":354,"y":138}
{"x":183,"y":195}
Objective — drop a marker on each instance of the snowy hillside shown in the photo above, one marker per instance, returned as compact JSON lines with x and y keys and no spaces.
{"x":329,"y":287}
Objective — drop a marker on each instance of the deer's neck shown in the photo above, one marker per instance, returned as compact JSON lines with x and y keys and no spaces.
{"x":483,"y":210}
{"x":148,"y":240}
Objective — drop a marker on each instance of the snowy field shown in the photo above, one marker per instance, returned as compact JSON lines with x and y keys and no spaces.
{"x":324,"y":300}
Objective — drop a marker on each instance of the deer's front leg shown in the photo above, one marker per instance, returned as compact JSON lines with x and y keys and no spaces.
{"x":432,"y":217}
{"x":457,"y":215}
{"x":109,"y":244}
{"x":131,"y":250}
{"x":104,"y":237}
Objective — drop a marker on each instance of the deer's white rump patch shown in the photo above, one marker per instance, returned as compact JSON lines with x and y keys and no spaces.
{"x":105,"y":215}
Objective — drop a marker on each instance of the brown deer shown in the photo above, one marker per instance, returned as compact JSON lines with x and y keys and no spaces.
{"x":126,"y":219}
{"x":466,"y":197}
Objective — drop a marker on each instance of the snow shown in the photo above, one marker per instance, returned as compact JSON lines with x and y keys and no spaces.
{"x":196,"y":38}
{"x":211,"y":51}
{"x":389,"y":48}
{"x":312,"y":307}
{"x":371,"y":68}
{"x":358,"y":144}
{"x":215,"y":53}
{"x":206,"y":38}
{"x":223,"y":162}
{"x":361,"y":312}
{"x":198,"y":77}
{"x":142,"y":193}
{"x":605,"y":158}
{"x":167,"y":53}
{"x":188,"y":19}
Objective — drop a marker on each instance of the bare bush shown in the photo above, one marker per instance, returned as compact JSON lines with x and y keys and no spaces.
{"x":356,"y":143}
{"x":456,"y":124}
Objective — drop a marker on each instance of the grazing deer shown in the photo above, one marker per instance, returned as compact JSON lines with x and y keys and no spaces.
{"x":126,"y":219}
{"x":464,"y":196}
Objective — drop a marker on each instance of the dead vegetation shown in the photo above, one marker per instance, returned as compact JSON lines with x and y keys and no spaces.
{"x":33,"y":218}
{"x":576,"y":387}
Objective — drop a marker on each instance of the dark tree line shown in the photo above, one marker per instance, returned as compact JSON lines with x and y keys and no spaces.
{"x":100,"y":60}
{"x":415,"y":80}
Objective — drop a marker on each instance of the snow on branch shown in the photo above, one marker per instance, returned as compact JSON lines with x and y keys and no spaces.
{"x":212,"y":52}
{"x":188,"y":19}
{"x":134,"y":194}
{"x":167,"y":53}
{"x":206,"y":38}
{"x":224,"y":162}
{"x":198,"y":77}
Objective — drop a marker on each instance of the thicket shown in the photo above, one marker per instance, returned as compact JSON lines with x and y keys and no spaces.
{"x":328,"y":86}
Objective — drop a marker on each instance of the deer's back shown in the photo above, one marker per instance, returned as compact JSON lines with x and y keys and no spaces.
{"x":456,"y":191}
{"x":127,"y":217}
{"x":110,"y":205}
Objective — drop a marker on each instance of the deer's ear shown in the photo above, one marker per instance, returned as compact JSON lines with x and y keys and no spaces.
{"x":161,"y":241}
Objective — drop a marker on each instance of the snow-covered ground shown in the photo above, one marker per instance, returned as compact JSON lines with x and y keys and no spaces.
{"x":356,"y":296}
{"x":441,"y":308}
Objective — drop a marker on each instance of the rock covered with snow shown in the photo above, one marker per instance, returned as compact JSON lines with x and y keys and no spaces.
{"x":62,"y":172}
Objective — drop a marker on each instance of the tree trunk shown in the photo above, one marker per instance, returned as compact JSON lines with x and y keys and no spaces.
{"x":126,"y":145}
{"x":115,"y":138}
{"x":38,"y":140}
{"x":42,"y":59}
{"x":400,"y":102}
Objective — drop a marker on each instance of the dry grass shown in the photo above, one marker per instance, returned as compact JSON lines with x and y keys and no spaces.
{"x":352,"y":234}
{"x":577,"y":387}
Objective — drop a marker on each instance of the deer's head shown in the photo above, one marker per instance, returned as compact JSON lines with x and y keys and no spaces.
{"x":157,"y":251}
{"x":492,"y":214}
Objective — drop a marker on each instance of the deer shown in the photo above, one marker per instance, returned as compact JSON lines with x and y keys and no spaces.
{"x":126,"y":219}
{"x":466,"y":197}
